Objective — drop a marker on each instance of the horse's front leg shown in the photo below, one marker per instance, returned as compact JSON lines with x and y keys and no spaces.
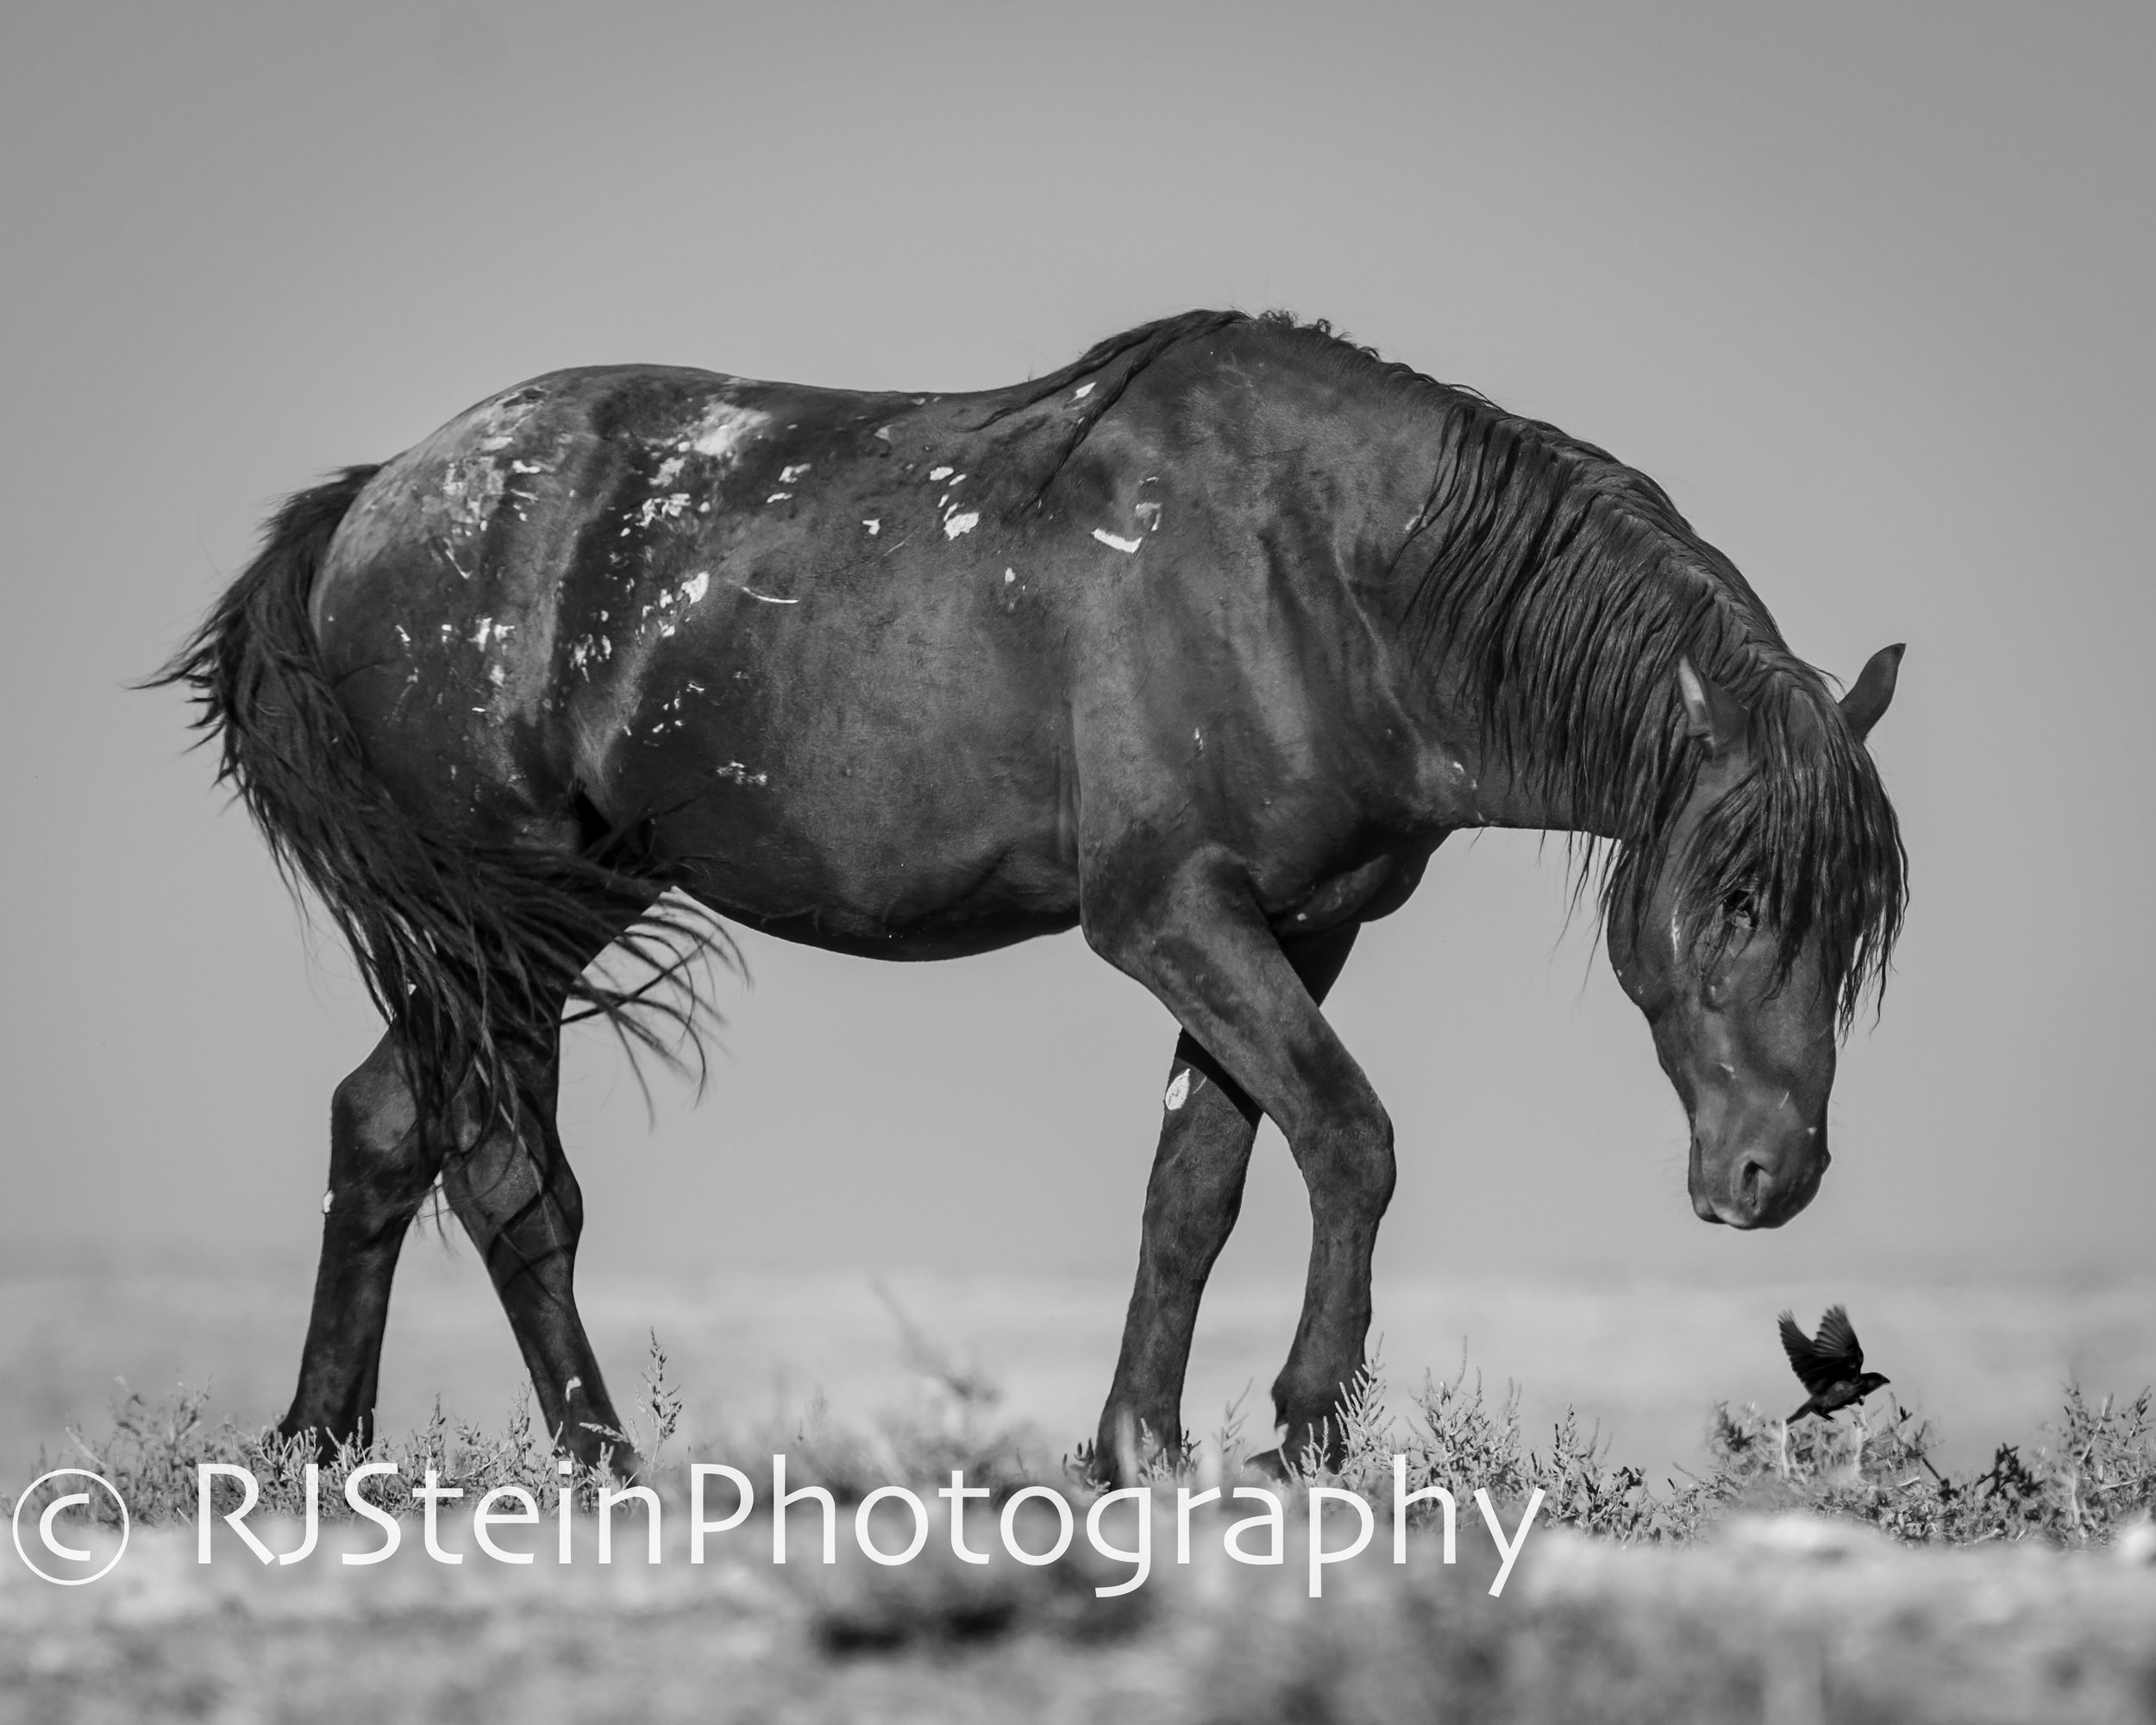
{"x":380,"y":1169}
{"x":1195,"y":1193}
{"x":1202,"y":946}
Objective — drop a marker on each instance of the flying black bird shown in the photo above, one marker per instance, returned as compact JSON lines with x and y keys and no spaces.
{"x":1831,"y":1367}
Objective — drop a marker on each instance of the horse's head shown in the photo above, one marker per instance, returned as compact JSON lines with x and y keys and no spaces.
{"x":1746,"y":963}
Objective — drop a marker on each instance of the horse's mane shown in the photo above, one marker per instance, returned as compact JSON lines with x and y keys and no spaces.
{"x":1558,"y":589}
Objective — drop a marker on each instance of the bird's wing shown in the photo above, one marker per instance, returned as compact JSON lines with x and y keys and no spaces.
{"x":1838,"y":1342}
{"x":1813,"y":1372}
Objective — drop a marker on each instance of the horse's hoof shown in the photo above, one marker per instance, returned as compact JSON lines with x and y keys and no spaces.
{"x":1126,"y":1453}
{"x":1110,"y":1475}
{"x":319,"y":1443}
{"x":1273,"y":1464}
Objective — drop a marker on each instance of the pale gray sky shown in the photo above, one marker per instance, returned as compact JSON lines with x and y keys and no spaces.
{"x":1866,"y":288}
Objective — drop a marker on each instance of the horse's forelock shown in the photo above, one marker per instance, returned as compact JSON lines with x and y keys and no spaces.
{"x":1810,"y":833}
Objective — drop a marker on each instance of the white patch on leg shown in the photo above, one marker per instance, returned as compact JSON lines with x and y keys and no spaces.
{"x":327,"y":1199}
{"x":1113,"y":542}
{"x":573,"y":1386}
{"x":1178,"y":1090}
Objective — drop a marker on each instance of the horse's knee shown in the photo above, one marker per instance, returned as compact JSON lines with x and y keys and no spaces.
{"x":1352,"y":1170}
{"x":1376,"y":1168}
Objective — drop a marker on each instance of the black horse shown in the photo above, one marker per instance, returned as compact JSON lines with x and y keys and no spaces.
{"x":1203,"y":643}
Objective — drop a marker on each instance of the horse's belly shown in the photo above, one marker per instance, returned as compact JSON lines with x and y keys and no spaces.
{"x":954,"y":932}
{"x":892,"y":851}
{"x":874,"y":892}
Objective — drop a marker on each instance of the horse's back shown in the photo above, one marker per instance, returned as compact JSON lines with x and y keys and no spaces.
{"x":767,"y":615}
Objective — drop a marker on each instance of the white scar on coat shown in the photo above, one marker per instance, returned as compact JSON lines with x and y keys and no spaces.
{"x":721,"y":431}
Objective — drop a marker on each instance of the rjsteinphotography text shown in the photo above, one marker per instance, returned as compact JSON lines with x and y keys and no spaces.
{"x":892,"y":1525}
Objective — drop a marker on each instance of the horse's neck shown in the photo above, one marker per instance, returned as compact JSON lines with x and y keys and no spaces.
{"x":1465,"y":779}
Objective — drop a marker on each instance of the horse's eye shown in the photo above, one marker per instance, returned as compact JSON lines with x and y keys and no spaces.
{"x":1741,"y":908}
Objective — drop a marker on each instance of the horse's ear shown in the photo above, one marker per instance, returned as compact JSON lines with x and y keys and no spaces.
{"x":1863,"y":706}
{"x":1717,"y":717}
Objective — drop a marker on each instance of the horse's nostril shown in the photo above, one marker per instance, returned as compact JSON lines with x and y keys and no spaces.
{"x":1749,"y":1177}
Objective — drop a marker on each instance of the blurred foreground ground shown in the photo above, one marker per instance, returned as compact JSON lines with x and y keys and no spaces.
{"x":1785,"y":1621}
{"x":1647,"y":1359}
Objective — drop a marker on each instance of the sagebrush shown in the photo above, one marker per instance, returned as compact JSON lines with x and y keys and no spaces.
{"x":2095,"y":1472}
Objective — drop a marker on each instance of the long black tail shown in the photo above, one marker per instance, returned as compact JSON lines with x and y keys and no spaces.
{"x":470,"y":952}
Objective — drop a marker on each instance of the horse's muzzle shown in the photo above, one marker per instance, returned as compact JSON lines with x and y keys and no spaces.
{"x":1757,"y":1192}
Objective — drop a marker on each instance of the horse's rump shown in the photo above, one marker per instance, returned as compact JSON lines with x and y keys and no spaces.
{"x":470,"y":947}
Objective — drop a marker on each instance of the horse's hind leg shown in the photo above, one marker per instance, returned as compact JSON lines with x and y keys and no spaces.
{"x":1191,"y":1204}
{"x":519,"y":1200}
{"x":380,"y":1168}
